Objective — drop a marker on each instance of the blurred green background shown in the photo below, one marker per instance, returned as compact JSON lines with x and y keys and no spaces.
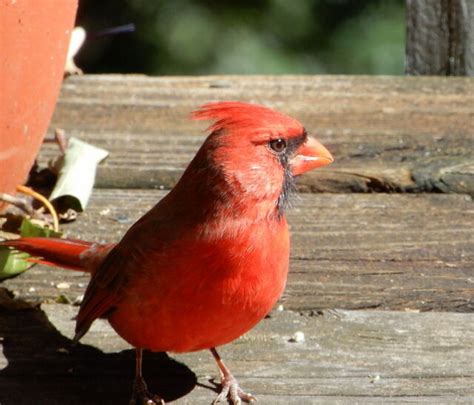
{"x":245,"y":37}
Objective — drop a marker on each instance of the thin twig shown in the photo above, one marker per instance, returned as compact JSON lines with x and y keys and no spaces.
{"x":18,"y":202}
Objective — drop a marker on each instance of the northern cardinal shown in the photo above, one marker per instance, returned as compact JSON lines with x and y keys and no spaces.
{"x":210,"y":260}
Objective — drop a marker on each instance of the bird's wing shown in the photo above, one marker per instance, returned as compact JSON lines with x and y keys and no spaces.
{"x":103,"y":291}
{"x":111,"y":277}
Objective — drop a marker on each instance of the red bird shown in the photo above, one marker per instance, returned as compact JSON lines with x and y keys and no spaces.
{"x":210,"y":260}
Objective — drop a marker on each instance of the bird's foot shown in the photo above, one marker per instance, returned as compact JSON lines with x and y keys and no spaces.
{"x":141,"y":395}
{"x":231,"y":391}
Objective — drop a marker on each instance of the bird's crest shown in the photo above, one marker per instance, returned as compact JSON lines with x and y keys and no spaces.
{"x":252,"y":118}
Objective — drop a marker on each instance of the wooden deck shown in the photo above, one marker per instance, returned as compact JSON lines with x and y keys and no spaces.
{"x":382,"y":266}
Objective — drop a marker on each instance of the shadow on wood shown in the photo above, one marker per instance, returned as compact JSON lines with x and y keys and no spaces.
{"x":45,"y":365}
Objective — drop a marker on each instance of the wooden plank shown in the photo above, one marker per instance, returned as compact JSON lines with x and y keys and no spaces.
{"x":387,"y":251}
{"x":347,"y":357}
{"x":440,"y":37}
{"x":386,"y":133}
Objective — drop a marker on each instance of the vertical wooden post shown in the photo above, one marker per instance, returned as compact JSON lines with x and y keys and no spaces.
{"x":440,"y":37}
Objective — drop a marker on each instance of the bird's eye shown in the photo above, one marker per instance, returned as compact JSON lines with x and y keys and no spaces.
{"x":278,"y":145}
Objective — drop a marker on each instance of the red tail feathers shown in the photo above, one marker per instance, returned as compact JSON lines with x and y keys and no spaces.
{"x":51,"y":251}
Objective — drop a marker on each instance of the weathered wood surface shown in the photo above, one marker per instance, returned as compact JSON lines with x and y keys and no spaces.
{"x":409,"y":252}
{"x":386,"y":133}
{"x":347,"y":357}
{"x":353,"y":251}
{"x":440,"y":37}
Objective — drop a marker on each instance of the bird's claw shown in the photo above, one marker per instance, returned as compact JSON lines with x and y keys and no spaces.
{"x":231,"y":391}
{"x":141,"y":395}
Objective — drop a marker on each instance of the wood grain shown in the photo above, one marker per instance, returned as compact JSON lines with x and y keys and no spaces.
{"x":440,"y":37}
{"x":347,"y":357}
{"x":354,"y":251}
{"x":380,"y":250}
{"x":386,"y":133}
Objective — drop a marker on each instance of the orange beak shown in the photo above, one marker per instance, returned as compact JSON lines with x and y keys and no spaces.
{"x":309,"y":156}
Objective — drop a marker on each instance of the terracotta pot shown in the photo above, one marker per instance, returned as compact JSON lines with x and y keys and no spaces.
{"x":34,"y":38}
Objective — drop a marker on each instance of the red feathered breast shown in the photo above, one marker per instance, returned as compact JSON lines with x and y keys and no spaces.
{"x":206,"y":293}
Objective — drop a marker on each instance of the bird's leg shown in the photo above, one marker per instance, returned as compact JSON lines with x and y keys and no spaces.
{"x":229,"y":386}
{"x":141,"y":395}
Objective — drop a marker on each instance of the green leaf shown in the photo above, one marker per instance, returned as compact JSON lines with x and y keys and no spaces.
{"x":12,"y":262}
{"x":77,"y":174}
{"x":30,"y":229}
{"x":62,"y":299}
